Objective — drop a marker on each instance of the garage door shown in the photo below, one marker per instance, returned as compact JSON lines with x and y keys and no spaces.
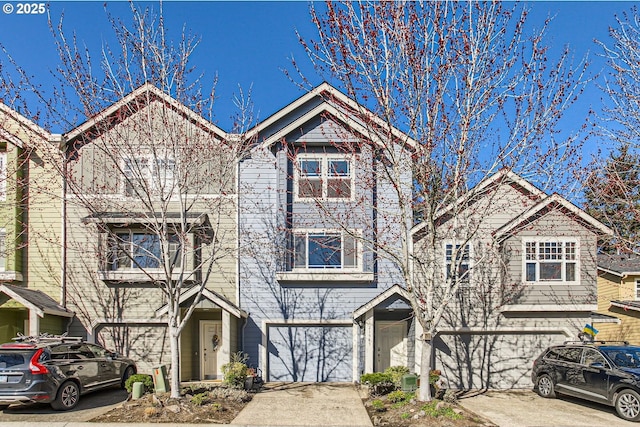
{"x":498,"y":361}
{"x":310,"y":353}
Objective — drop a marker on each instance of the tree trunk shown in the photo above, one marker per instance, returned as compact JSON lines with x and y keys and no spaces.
{"x":424,"y":393}
{"x":174,"y":341}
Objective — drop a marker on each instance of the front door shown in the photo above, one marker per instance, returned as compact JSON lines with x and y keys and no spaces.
{"x":210,"y":342}
{"x":391,"y":344}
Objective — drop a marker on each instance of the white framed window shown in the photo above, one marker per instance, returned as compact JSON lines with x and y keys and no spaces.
{"x":3,"y":176}
{"x":551,"y":260}
{"x":637,"y":289}
{"x":323,"y":176}
{"x":133,"y":249}
{"x":457,"y":261}
{"x":326,"y":249}
{"x":148,"y":174}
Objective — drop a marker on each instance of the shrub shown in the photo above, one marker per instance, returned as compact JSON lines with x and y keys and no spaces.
{"x":436,"y":410}
{"x":145,"y":379}
{"x":379,"y":382}
{"x":235,"y":372}
{"x":200,"y":399}
{"x":399,"y":396}
{"x":378,"y":405}
{"x":396,"y":373}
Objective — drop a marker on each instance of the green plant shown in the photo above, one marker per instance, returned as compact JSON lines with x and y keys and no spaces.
{"x":398,"y":396}
{"x":379,"y":382}
{"x":378,"y":405}
{"x":396,"y":373}
{"x":200,"y":399}
{"x":405,"y":415}
{"x":215,"y":407}
{"x":235,"y":372}
{"x":436,"y":409}
{"x":434,"y":376}
{"x":145,"y":379}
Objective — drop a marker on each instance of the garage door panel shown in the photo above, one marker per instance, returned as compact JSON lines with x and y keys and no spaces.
{"x":310,"y":353}
{"x":500,"y":361}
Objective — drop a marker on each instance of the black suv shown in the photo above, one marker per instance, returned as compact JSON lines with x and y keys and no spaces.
{"x":604,"y":372}
{"x":57,"y":370}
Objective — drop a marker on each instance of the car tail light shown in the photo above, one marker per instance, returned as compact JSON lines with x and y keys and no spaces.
{"x":36,"y":367}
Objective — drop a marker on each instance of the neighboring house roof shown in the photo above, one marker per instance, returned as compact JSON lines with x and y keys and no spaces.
{"x":212,"y":296}
{"x":21,"y":121}
{"x":33,"y":300}
{"x":554,"y":201}
{"x":620,"y":264}
{"x":626,"y":305}
{"x":336,"y":104}
{"x":395,"y":290}
{"x":132,"y":101}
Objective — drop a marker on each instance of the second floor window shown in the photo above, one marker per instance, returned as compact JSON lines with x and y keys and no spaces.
{"x":148,"y":175}
{"x":637,"y":289}
{"x":325,"y":250}
{"x":323,"y":177}
{"x":140,"y":250}
{"x":551,"y":260}
{"x":457,"y":262}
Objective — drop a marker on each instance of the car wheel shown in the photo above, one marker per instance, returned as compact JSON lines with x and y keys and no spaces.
{"x":127,"y":373}
{"x":67,"y":398}
{"x":3,"y":407}
{"x":628,"y":405}
{"x":546,"y":388}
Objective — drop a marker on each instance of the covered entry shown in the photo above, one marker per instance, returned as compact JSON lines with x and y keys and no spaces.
{"x":387,"y":332}
{"x":210,"y":336}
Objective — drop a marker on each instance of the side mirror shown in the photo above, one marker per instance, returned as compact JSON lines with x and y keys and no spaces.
{"x":597,"y":365}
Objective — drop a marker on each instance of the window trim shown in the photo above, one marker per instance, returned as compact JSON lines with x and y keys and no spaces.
{"x":3,"y":176}
{"x":324,"y":159}
{"x":3,"y":250}
{"x":317,"y":231}
{"x":445,"y":268}
{"x":637,"y":289}
{"x":113,"y":249}
{"x":151,"y":176}
{"x":564,"y":262}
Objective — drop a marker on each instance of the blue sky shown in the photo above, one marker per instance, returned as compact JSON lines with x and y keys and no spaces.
{"x":249,"y":43}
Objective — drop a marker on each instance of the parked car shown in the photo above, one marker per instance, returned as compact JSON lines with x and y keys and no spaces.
{"x":57,"y":370}
{"x":604,"y":372}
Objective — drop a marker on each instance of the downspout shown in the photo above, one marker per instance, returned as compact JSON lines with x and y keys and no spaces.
{"x":63,"y":224}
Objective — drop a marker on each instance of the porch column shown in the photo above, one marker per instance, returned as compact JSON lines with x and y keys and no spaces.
{"x":369,"y":349}
{"x":356,"y":352}
{"x":224,"y":356}
{"x":34,"y":323}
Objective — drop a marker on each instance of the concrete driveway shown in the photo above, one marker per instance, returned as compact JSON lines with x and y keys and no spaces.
{"x":526,"y":409}
{"x":305,"y":404}
{"x":90,"y":406}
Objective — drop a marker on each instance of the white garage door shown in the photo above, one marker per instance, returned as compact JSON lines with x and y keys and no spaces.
{"x":310,"y":353}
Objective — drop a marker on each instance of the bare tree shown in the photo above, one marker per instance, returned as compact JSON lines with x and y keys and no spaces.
{"x":474,"y":92}
{"x":611,"y":190}
{"x":149,"y":181}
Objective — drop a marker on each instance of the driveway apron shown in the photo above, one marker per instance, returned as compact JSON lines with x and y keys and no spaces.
{"x":305,"y":404}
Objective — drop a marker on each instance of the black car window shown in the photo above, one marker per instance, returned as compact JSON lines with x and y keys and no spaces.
{"x":624,"y":357}
{"x":98,"y":351}
{"x":591,"y":356}
{"x":552,"y":354}
{"x":11,"y":359}
{"x":570,"y":354}
{"x":60,"y":352}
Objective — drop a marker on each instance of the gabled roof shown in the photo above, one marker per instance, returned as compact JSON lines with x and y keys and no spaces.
{"x":396,"y":290}
{"x":212,"y":296}
{"x":620,"y":264}
{"x":33,"y":300}
{"x":132,"y":100}
{"x":503,"y":176}
{"x":21,"y":121}
{"x":335,"y":104}
{"x":555,"y":200}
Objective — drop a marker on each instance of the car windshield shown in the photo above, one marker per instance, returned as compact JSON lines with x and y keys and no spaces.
{"x":624,"y":357}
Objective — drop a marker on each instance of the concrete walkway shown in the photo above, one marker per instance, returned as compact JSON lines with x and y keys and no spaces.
{"x":305,"y":404}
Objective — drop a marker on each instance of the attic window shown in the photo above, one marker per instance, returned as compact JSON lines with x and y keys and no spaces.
{"x":551,"y":260}
{"x":322,"y":176}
